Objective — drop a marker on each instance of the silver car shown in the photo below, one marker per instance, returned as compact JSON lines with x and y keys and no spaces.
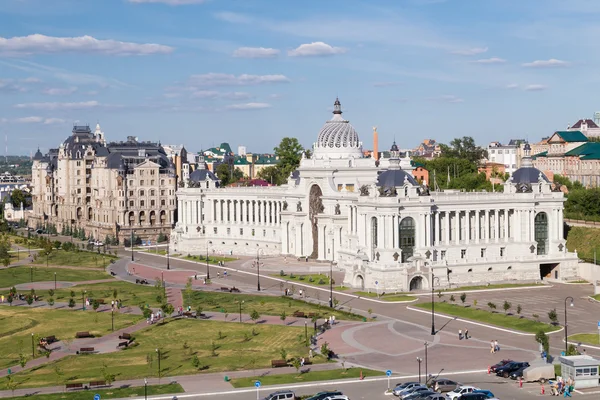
{"x":405,"y":386}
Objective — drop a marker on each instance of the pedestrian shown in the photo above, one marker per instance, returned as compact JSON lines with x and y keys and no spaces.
{"x":302,"y":362}
{"x":225,"y":274}
{"x":195,"y":277}
{"x":492,"y":347}
{"x":300,"y":292}
{"x":333,"y":319}
{"x":218,"y":275}
{"x":496,"y":346}
{"x":460,"y":334}
{"x":568,"y":390}
{"x":310,"y":353}
{"x":466,"y":333}
{"x":112,"y":304}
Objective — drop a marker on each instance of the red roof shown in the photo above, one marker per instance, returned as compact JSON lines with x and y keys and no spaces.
{"x":589,"y":122}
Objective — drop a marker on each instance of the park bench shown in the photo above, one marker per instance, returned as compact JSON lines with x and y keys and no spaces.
{"x":51,"y":339}
{"x":98,"y":384}
{"x":85,"y":350}
{"x":100,"y":301}
{"x":299,"y":314}
{"x":234,"y":289}
{"x":123,"y":344}
{"x":125,"y":335}
{"x":312,"y":314}
{"x":81,"y":335}
{"x":224,"y":289}
{"x":74,"y":386}
{"x":278,"y":363}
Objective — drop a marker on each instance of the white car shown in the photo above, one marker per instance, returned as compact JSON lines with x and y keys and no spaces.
{"x":459,"y":391}
{"x":337,"y":397}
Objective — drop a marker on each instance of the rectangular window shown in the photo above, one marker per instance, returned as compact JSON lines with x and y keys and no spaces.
{"x":463,"y":253}
{"x":350,"y":187}
{"x":241,"y":231}
{"x":78,"y":164}
{"x":79,"y":181}
{"x":162,"y":192}
{"x":443,"y":254}
{"x":162,"y":182}
{"x":142,"y":182}
{"x":264,"y":232}
{"x":502,"y":251}
{"x":229,"y":231}
{"x":79,"y":191}
{"x":152,"y":181}
{"x":252,"y":232}
{"x":482,"y":253}
{"x":152,"y":203}
{"x":339,"y":187}
{"x":78,"y":172}
{"x":162,"y":202}
{"x":131,"y":182}
{"x":215,"y":230}
{"x":131,"y":192}
{"x":131,"y":203}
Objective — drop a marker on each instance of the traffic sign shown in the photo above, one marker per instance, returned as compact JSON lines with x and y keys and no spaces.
{"x":377,"y":282}
{"x":96,"y":397}
{"x":388,"y":372}
{"x":257,"y":384}
{"x":598,"y":324}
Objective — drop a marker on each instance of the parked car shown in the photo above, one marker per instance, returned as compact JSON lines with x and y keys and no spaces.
{"x":519,"y":372}
{"x":337,"y":397}
{"x":403,"y":386}
{"x":281,"y":395}
{"x":436,"y":396}
{"x":420,"y":395}
{"x":324,"y":395}
{"x":500,"y":364}
{"x":477,"y":396}
{"x":409,"y":392}
{"x":487,"y":393}
{"x":509,"y":368}
{"x":459,"y":391}
{"x":443,"y":385}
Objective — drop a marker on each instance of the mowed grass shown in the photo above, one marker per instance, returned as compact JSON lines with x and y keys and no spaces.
{"x":311,"y":376}
{"x":387,"y":296}
{"x":264,"y":305}
{"x":131,"y":294}
{"x":211,"y":259}
{"x":75,"y":259}
{"x":179,"y":340}
{"x":586,"y":338}
{"x":584,"y":240}
{"x":113,"y":393}
{"x":18,"y":323}
{"x":311,"y":279}
{"x":23,"y":274}
{"x":498,"y":319}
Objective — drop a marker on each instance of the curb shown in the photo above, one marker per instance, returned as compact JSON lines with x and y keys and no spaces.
{"x":483,"y":325}
{"x":593,"y":299}
{"x":589,"y":346}
{"x":490,"y":290}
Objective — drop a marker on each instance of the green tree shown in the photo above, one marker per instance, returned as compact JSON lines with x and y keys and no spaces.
{"x":254,"y":315}
{"x":95,"y":305}
{"x":296,"y":364}
{"x":542,"y":339}
{"x":71,"y":303}
{"x":283,"y":316}
{"x":223,"y":172}
{"x":464,"y":148}
{"x":167,"y":309}
{"x":109,"y":378}
{"x":572,"y":350}
{"x":17,"y":197}
{"x":452,"y":298}
{"x":283,"y":352}
{"x":506,"y":306}
{"x":553,"y":316}
{"x":289,"y":153}
{"x":463,"y":298}
{"x":50,"y":301}
{"x":271,"y":175}
{"x":519,"y":309}
{"x":491,"y":305}
{"x":325,"y":350}
{"x":11,"y":384}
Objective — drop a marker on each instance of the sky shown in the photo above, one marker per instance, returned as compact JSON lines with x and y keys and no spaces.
{"x":250,"y":72}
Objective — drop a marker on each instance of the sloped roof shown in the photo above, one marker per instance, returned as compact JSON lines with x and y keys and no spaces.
{"x":589,"y":122}
{"x":542,"y":154}
{"x":587,"y":151}
{"x":266,"y":160}
{"x":572,"y":136}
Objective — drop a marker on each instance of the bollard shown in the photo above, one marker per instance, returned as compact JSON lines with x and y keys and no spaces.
{"x":489,"y":369}
{"x":543,"y":391}
{"x":361,"y":375}
{"x":521,"y":383}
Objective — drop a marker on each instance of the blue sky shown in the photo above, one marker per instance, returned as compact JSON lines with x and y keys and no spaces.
{"x":250,"y":72}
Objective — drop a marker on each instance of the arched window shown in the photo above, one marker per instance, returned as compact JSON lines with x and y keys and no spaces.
{"x":406,"y":235}
{"x":373,"y":237}
{"x":541,"y":233}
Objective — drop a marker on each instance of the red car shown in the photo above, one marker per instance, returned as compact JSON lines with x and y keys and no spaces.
{"x":500,"y":364}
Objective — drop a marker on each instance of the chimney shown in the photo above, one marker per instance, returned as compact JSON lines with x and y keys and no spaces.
{"x":375,"y":144}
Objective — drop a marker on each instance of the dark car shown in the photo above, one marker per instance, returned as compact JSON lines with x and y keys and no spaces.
{"x":500,"y":364}
{"x":518,"y":373}
{"x":322,"y":395}
{"x":509,"y":368}
{"x":476,"y":396}
{"x":420,"y":395}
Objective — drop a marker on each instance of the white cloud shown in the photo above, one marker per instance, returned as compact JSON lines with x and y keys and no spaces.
{"x":213,"y":94}
{"x":41,"y":44}
{"x":315,"y":49}
{"x":49,"y":121}
{"x":3,"y":120}
{"x":448,"y":99}
{"x":29,"y":120}
{"x":59,"y":106}
{"x":386,"y":84}
{"x":31,"y":79}
{"x":170,"y":2}
{"x":512,"y":86}
{"x":8,"y":86}
{"x":255,"y":52}
{"x":535,"y":88}
{"x":492,"y":60}
{"x":470,"y":52}
{"x":232,"y":17}
{"x":219,"y":79}
{"x":59,"y":91}
{"x":547,"y":63}
{"x":248,"y":106}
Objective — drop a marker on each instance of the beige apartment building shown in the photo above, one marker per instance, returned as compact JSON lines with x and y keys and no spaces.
{"x":108,"y":189}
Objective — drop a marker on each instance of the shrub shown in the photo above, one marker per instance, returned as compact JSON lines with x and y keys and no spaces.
{"x":463,"y":298}
{"x":519,"y":309}
{"x":506,"y":306}
{"x":475,"y":303}
{"x":292,"y":276}
{"x":452,"y":298}
{"x":71,"y":303}
{"x":51,"y":301}
{"x":553,"y":316}
{"x":311,"y":279}
{"x":281,"y":273}
{"x":536,"y":317}
{"x":325,"y":349}
{"x":283,"y":353}
{"x":254,"y":315}
{"x":321,"y":281}
{"x":301,"y":277}
{"x":491,"y":305}
{"x":542,"y":339}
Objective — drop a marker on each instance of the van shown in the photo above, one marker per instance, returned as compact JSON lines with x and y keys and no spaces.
{"x":281,"y":395}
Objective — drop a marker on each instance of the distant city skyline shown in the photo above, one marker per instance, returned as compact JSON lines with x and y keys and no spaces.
{"x":249,"y":73}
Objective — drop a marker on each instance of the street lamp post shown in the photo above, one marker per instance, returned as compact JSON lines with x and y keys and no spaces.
{"x":306,"y":331}
{"x":132,"y":245}
{"x":258,"y":269}
{"x":162,"y":279}
{"x":419,"y":360}
{"x":566,"y":335}
{"x":331,"y":284}
{"x":55,"y":281}
{"x":32,"y":347}
{"x":207,"y":267}
{"x":112,"y":319}
{"x":241,"y":302}
{"x":145,"y":389}
{"x":426,"y":369}
{"x":83,"y":298}
{"x":31,"y":274}
{"x":158,"y":352}
{"x":433,"y":278}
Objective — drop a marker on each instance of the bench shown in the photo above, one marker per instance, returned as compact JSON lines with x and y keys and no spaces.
{"x":234,"y":289}
{"x":74,"y":386}
{"x":81,"y":335}
{"x":278,"y":363}
{"x":188,"y":314}
{"x":299,"y":314}
{"x":50,"y":339}
{"x":125,"y":335}
{"x":224,"y":289}
{"x":85,"y":350}
{"x":123,"y":344}
{"x":98,"y":383}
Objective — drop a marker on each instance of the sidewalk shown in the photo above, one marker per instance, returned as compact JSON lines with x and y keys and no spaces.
{"x":199,"y":383}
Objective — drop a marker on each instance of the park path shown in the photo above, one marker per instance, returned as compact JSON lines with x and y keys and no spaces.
{"x":59,"y":284}
{"x":174,"y":297}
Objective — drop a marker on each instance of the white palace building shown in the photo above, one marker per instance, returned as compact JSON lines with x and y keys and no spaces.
{"x":378,"y":224}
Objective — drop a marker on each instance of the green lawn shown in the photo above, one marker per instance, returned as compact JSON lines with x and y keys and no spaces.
{"x":75,"y":259}
{"x":113,"y":393}
{"x":311,"y":279}
{"x":211,"y":259}
{"x":495,"y":286}
{"x":18,"y":323}
{"x":596,"y":297}
{"x":586,"y":338}
{"x":498,"y":319}
{"x":265,"y":305}
{"x":236,"y":348}
{"x":130,"y":294}
{"x":584,"y":240}
{"x":387,"y":296}
{"x":16,"y":275}
{"x":311,"y":376}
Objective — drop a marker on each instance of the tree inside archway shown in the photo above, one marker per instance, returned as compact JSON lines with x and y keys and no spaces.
{"x":315,"y":207}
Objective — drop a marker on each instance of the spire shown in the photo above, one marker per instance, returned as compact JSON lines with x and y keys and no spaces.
{"x":526,"y":160}
{"x":337,"y":107}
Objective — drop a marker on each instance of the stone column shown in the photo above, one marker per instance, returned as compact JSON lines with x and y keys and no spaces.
{"x":561,"y":224}
{"x":447,"y":223}
{"x":428,"y":233}
{"x":457,"y":226}
{"x":467,"y":226}
{"x":506,"y":224}
{"x":531,"y":216}
{"x":394,"y":230}
{"x":477,"y":225}
{"x":496,"y":225}
{"x":486,"y":226}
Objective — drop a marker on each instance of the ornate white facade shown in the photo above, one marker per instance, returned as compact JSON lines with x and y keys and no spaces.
{"x":378,"y":224}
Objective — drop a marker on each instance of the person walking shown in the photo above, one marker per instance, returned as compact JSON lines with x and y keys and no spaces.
{"x":302,"y":362}
{"x":466,"y":333}
{"x":460,"y":334}
{"x":496,"y":346}
{"x":492,"y":347}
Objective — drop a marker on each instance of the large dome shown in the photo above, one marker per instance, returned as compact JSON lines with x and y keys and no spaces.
{"x":337,"y":138}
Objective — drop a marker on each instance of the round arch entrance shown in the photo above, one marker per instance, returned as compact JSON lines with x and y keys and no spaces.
{"x":416,"y":283}
{"x":359,"y":282}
